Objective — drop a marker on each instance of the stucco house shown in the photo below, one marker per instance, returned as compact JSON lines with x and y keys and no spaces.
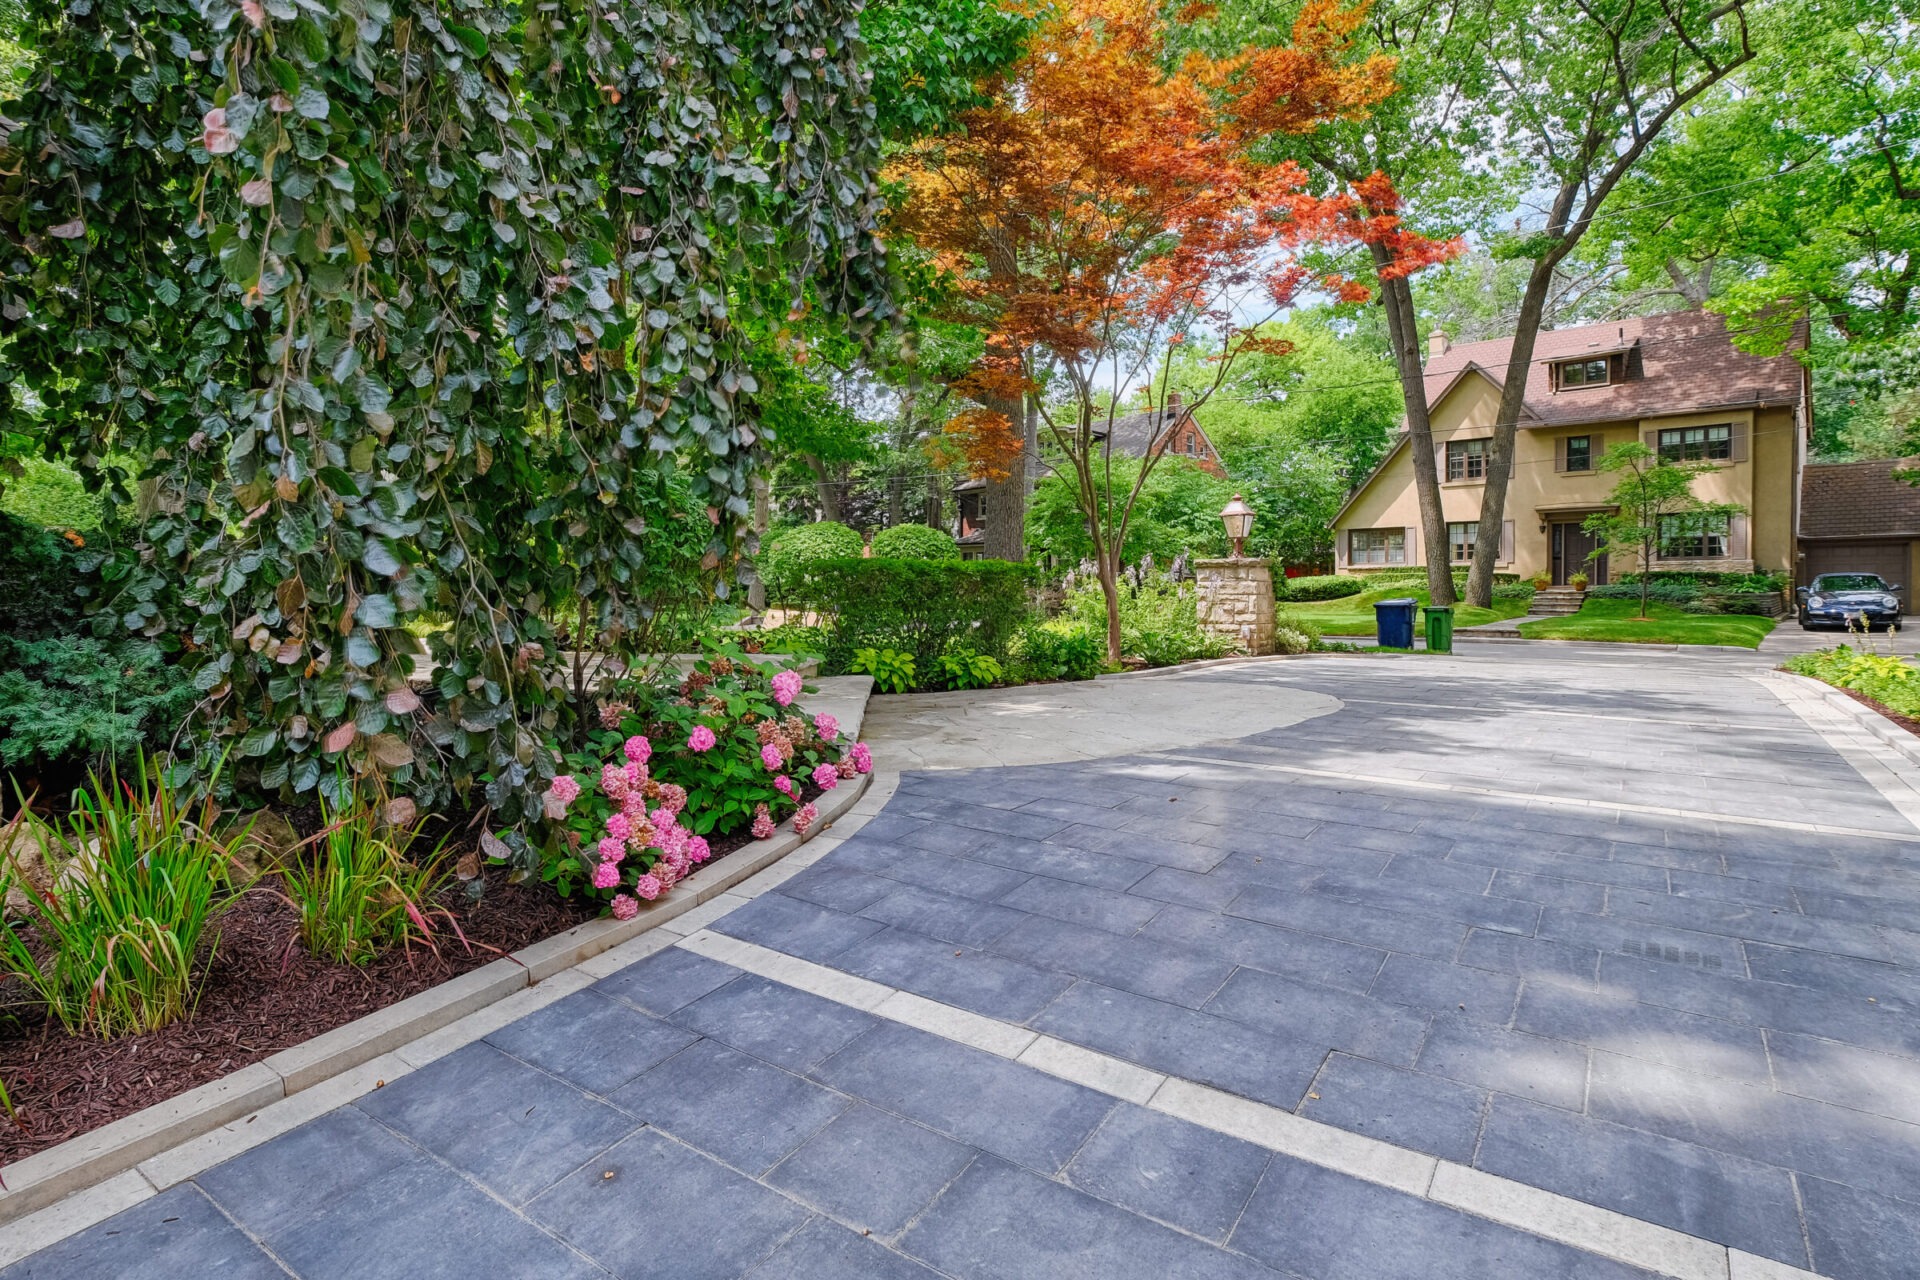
{"x":1675,"y":382}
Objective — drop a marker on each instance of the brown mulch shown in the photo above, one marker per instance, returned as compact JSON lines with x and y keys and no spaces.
{"x":263,"y":994}
{"x":1905,"y":722}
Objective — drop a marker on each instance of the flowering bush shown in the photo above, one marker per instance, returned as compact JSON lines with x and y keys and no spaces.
{"x":629,"y":840}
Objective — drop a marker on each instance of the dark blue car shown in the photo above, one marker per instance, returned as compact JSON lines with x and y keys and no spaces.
{"x":1849,"y":599}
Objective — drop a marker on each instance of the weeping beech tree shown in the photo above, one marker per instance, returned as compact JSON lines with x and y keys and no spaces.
{"x":414,"y":310}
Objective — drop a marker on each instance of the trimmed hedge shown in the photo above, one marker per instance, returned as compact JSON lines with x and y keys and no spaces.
{"x":914,"y":542}
{"x":787,"y":558}
{"x":922,"y":607}
{"x":1329,"y":586}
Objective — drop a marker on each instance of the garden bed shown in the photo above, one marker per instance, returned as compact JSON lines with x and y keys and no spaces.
{"x":263,"y":994}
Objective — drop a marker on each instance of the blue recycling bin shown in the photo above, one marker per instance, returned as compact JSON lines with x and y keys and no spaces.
{"x":1394,"y":618}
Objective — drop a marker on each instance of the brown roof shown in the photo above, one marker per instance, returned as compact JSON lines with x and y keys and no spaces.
{"x":1858,"y":500}
{"x":1680,"y":362}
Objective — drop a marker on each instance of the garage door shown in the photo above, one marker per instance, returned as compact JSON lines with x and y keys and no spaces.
{"x":1888,"y":559}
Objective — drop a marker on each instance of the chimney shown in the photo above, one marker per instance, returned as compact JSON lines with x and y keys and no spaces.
{"x":1438,"y":344}
{"x":1173,"y":404}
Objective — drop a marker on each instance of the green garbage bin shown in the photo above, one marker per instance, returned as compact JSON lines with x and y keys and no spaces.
{"x":1439,"y":628}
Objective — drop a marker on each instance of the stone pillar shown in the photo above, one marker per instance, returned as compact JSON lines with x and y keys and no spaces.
{"x":1236,"y":601}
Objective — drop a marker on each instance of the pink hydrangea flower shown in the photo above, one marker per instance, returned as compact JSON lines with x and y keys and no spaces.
{"x":770,"y":756}
{"x":784,"y":785}
{"x":698,"y":849}
{"x":625,"y":907}
{"x":826,"y":726}
{"x":805,"y":819}
{"x":613,"y":781}
{"x":663,"y":823}
{"x":619,"y":826}
{"x":673,"y":797}
{"x":862,"y":758}
{"x":606,"y":876}
{"x":844,"y":769}
{"x":701,"y":739}
{"x":649,"y":886}
{"x":786,"y":687}
{"x":564,"y":789}
{"x":639,"y":750}
{"x":611,"y":849}
{"x":762,"y":822}
{"x":667,"y":872}
{"x":636,"y":773}
{"x":826,"y":777}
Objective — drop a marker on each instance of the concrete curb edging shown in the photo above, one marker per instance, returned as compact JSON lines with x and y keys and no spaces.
{"x":93,"y":1158}
{"x":1866,"y":717}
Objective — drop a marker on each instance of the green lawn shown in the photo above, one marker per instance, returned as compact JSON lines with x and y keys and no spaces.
{"x":1616,"y":620}
{"x":1353,"y":616}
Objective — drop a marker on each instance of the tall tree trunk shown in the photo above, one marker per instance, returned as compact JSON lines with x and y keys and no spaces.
{"x":1396,"y":295}
{"x":1108,"y":567}
{"x":1493,"y":498}
{"x":1003,"y":503}
{"x":935,"y":501}
{"x":762,"y":509}
{"x":826,"y":487}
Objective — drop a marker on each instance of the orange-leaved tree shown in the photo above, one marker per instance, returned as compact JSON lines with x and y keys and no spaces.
{"x":1109,"y":205}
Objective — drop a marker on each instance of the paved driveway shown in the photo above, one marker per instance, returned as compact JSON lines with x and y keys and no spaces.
{"x":1395,"y":991}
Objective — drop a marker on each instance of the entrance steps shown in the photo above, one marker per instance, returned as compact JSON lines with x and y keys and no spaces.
{"x":1556,"y":602}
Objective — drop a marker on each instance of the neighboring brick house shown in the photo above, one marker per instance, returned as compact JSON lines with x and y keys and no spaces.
{"x":1858,"y":517}
{"x":1674,"y":381}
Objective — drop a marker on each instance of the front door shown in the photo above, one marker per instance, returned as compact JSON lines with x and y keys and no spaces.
{"x":1572,"y":545}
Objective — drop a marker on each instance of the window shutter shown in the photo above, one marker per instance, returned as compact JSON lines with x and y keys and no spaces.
{"x":1560,"y":453}
{"x":1737,"y":537}
{"x":1413,"y":544}
{"x":1737,"y":443}
{"x":1506,"y":542}
{"x":1341,"y":540}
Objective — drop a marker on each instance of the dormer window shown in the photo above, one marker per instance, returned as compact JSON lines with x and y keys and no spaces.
{"x":1585,"y":373}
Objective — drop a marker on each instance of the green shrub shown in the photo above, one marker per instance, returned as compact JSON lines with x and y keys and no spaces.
{"x":790,"y":637}
{"x":112,"y":946}
{"x":44,"y":580}
{"x":1332,"y":586}
{"x":923,"y":608}
{"x":1666,"y":592}
{"x":1739,"y":582}
{"x":914,"y":542}
{"x":1889,"y":681}
{"x":51,"y":496}
{"x":1058,"y":651}
{"x":892,"y":670}
{"x":1513,"y":591}
{"x":786,"y":560}
{"x":1159,"y":621}
{"x":965,"y":669}
{"x":75,"y":699}
{"x":355,"y":889}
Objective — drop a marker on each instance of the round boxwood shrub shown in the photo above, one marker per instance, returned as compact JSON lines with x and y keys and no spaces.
{"x":785,"y":559}
{"x":914,"y":542}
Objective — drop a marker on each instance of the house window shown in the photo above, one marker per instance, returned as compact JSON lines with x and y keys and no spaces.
{"x":1697,"y":444}
{"x":1379,"y":546}
{"x":1693,"y":537}
{"x":1193,"y":446}
{"x":1579,"y":453}
{"x":1460,"y":536}
{"x":1466,"y":459}
{"x":1584,"y":373}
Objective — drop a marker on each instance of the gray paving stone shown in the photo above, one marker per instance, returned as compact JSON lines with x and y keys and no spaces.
{"x":961,"y":921}
{"x":1896,"y":988}
{"x":1139,"y":846}
{"x":590,"y":1040}
{"x":823,"y":1251}
{"x":1139,"y":965}
{"x":1550,"y":1071}
{"x":1182,"y":1042}
{"x":1760,"y":923}
{"x":666,"y":980}
{"x":1105,"y":909}
{"x":1715,"y":953}
{"x":1308,"y":1221}
{"x":967,"y":1094}
{"x":795,"y":927}
{"x":1285,"y":855}
{"x":1441,"y":987}
{"x":731,"y":1105}
{"x":958,"y":877}
{"x":651,"y":1209}
{"x":177,"y":1233}
{"x":1292,"y":1009}
{"x":789,"y":1028}
{"x":976,"y":980}
{"x":1529,"y":957}
{"x":1351,"y":921}
{"x":1104,"y":870}
{"x":1736,"y":1202}
{"x":1437,"y":873}
{"x":840,"y":888}
{"x":1388,"y":839}
{"x":1180,"y":1173}
{"x":1860,"y":1235}
{"x":423,"y":1221}
{"x":303,"y":1172}
{"x":1004,"y":1223}
{"x":871,"y":1169}
{"x":1077,"y":811}
{"x":1725,"y":888}
{"x":944,"y":837}
{"x":516,"y":1130}
{"x":980,"y":817}
{"x":1672,"y":859}
{"x":1845,"y":1076}
{"x":1407,"y":1108}
{"x":1509,"y":856}
{"x":1326,"y":961}
{"x":1616,"y":1022}
{"x":1575,"y":895}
